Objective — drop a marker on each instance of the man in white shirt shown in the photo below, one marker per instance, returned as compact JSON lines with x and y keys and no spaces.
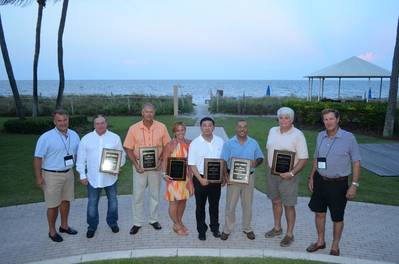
{"x":88,"y":165}
{"x":204,"y":146}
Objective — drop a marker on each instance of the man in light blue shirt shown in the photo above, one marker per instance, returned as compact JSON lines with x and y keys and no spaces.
{"x":53,"y":161}
{"x":243,"y":147}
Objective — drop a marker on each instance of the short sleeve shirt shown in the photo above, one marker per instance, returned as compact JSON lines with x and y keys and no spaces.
{"x":340,"y":151}
{"x":292,"y":140}
{"x":232,"y":148}
{"x":53,"y":146}
{"x":140,"y":136}
{"x":201,"y":149}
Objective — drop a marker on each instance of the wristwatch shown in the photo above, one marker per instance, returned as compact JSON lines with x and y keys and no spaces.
{"x":292,"y":174}
{"x":356,"y":184}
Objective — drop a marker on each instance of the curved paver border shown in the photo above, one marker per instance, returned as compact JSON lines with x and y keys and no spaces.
{"x":206,"y":252}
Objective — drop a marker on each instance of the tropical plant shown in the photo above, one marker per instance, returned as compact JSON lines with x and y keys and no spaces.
{"x":8,"y":65}
{"x":35,"y":104}
{"x":61,"y":55}
{"x":393,"y":91}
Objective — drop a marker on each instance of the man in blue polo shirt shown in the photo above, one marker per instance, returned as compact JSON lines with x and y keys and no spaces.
{"x":241,"y":146}
{"x":53,"y":161}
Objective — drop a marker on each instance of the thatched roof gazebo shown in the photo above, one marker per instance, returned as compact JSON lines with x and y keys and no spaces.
{"x":353,"y":67}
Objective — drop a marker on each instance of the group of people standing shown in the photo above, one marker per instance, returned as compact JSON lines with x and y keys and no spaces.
{"x":336,"y":159}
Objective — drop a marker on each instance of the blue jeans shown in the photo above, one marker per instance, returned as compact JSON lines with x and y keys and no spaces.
{"x":92,"y":206}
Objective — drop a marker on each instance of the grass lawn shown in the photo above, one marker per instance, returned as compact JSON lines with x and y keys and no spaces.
{"x":373,"y":189}
{"x":17,"y":181}
{"x":203,"y":260}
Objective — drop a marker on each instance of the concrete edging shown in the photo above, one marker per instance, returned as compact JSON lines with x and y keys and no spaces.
{"x":206,"y":252}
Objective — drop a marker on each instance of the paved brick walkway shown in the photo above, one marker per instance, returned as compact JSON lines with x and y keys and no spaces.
{"x":371,"y":232}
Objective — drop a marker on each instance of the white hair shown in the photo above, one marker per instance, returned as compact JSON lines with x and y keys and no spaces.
{"x":286,"y":111}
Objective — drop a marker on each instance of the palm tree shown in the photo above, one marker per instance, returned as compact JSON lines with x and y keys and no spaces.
{"x":10,"y":73}
{"x":393,"y":91}
{"x":35,"y":103}
{"x":61,"y":54}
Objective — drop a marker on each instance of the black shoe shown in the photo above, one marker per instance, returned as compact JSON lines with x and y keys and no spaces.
{"x":250,"y":235}
{"x":216,"y":234}
{"x":134,"y":230}
{"x":115,"y":228}
{"x":224,"y":236}
{"x":156,"y":225}
{"x":90,"y":233}
{"x":69,"y":231}
{"x":202,"y":236}
{"x":56,"y":237}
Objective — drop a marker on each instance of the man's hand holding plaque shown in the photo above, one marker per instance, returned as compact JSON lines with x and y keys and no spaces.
{"x":239,"y":170}
{"x":110,"y":161}
{"x":283,"y":162}
{"x":148,"y":158}
{"x":213,"y":170}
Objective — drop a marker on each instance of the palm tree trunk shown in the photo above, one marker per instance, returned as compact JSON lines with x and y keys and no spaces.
{"x":60,"y":55}
{"x":393,"y":91}
{"x":13,"y":84}
{"x":35,"y":104}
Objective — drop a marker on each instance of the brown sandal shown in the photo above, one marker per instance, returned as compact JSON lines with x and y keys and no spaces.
{"x":314,"y":247}
{"x":180,"y":231}
{"x":334,"y":252}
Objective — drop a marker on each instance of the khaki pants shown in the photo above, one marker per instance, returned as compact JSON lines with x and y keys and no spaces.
{"x":235,"y":191}
{"x":152,"y":179}
{"x":58,"y":187}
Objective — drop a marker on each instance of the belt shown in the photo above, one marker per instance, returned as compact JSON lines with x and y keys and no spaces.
{"x":57,"y":171}
{"x":343,"y":178}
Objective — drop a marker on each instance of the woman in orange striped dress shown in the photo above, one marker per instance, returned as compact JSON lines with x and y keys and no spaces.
{"x":177,"y":192}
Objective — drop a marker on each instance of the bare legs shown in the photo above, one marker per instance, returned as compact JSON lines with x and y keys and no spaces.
{"x":176,"y":211}
{"x":289,"y":216}
{"x":52,"y":214}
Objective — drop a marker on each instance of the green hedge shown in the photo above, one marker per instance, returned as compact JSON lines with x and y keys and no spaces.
{"x":357,"y":115}
{"x":98,"y":104}
{"x":42,"y":124}
{"x":247,"y":105}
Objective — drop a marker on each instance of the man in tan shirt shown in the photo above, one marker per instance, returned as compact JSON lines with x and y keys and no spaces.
{"x":146,"y":133}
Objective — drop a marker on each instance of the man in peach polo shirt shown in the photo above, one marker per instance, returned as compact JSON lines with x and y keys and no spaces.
{"x":146,"y":133}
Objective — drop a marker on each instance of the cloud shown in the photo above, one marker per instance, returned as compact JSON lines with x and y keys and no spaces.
{"x":368,"y":56}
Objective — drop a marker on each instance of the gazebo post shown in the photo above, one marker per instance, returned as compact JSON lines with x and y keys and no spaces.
{"x":311,"y":89}
{"x":307,"y":99}
{"x":318,"y":96}
{"x":322,"y":87}
{"x":380,"y":88}
{"x":339,"y":88}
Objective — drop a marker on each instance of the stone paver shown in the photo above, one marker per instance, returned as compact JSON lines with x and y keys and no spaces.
{"x":371,"y":232}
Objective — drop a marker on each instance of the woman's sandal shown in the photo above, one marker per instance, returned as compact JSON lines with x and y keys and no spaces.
{"x":180,"y":231}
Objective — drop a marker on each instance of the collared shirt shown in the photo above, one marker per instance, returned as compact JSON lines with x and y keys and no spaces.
{"x":140,"y":136}
{"x":201,"y":149}
{"x":340,"y":151}
{"x":89,"y":158}
{"x":250,"y":150}
{"x":53,"y":146}
{"x":292,"y":140}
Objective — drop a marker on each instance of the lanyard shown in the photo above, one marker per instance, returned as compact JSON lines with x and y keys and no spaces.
{"x":63,"y":142}
{"x":321,"y":143}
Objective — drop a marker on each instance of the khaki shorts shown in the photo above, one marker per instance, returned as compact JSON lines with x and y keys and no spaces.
{"x":58,"y":187}
{"x":285,"y":190}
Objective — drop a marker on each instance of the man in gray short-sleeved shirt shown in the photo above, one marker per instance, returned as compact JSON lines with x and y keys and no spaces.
{"x":336,"y":158}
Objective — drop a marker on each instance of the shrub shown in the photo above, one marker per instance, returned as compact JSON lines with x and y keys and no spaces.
{"x":98,"y":104}
{"x":40,"y":125}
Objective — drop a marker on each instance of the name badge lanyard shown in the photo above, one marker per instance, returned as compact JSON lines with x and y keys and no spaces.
{"x":321,"y":143}
{"x":69,"y":144}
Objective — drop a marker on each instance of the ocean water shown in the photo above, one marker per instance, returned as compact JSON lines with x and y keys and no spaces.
{"x":202,"y":89}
